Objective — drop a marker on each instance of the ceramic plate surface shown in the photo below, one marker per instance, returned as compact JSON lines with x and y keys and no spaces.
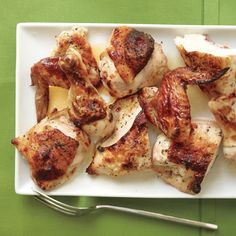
{"x":36,"y":40}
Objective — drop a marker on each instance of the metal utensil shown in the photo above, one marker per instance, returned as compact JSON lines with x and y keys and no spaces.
{"x":79,"y":211}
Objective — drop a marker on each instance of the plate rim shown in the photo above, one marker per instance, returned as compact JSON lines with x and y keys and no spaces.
{"x":22,"y":25}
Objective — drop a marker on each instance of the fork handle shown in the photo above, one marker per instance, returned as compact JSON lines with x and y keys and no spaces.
{"x":160,"y":216}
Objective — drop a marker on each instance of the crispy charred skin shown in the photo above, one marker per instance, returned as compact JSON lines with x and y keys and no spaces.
{"x":131,"y":145}
{"x":192,"y":157}
{"x":138,"y":49}
{"x":185,"y":165}
{"x":212,"y":64}
{"x":171,"y":105}
{"x":45,"y":73}
{"x":52,"y":152}
{"x":204,"y":63}
{"x":196,"y":155}
{"x":56,"y":71}
{"x":130,"y":51}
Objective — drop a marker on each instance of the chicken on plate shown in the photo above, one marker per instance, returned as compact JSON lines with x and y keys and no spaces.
{"x":168,"y":107}
{"x":54,"y":148}
{"x":77,"y":40}
{"x":134,"y":70}
{"x":86,"y":107}
{"x":185,"y":165}
{"x":69,"y":68}
{"x":224,"y":111}
{"x":182,"y":155}
{"x":132,"y":61}
{"x":201,"y":54}
{"x":128,"y":148}
{"x":47,"y":72}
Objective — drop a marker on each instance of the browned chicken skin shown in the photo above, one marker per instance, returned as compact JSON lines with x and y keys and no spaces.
{"x":199,"y":52}
{"x":83,"y":97}
{"x":73,"y":46}
{"x":72,"y":67}
{"x":85,"y":104}
{"x":127,"y":155}
{"x":54,"y":148}
{"x":127,"y":149}
{"x":130,"y":51}
{"x":185,"y":162}
{"x":205,"y":61}
{"x":185,"y":165}
{"x":76,"y":39}
{"x":171,"y":105}
{"x":86,"y":107}
{"x":132,"y":61}
{"x":45,"y":73}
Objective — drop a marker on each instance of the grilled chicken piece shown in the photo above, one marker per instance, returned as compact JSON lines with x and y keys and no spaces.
{"x":54,"y":148}
{"x":72,"y":44}
{"x":185,"y":165}
{"x":45,"y":73}
{"x":199,"y":53}
{"x":132,"y":61}
{"x":86,"y":108}
{"x":224,"y":111}
{"x":77,"y":39}
{"x":169,"y":108}
{"x":127,"y":149}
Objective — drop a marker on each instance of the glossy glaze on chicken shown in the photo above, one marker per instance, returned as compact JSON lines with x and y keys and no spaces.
{"x":168,"y":108}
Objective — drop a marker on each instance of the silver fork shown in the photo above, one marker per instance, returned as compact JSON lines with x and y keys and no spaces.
{"x":79,"y":211}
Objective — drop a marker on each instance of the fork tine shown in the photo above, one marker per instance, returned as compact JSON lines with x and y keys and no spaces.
{"x":52,"y":200}
{"x":54,"y":206}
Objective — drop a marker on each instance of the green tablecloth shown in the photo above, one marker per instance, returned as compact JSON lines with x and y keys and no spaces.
{"x":22,"y":215}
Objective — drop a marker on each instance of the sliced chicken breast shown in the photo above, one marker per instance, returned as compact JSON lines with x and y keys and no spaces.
{"x":185,"y":165}
{"x":54,"y":148}
{"x":132,"y":61}
{"x":128,"y":148}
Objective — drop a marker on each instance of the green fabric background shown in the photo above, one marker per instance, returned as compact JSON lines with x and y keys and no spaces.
{"x":22,"y":215}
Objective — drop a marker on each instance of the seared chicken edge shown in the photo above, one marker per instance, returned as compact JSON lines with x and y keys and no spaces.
{"x":54,"y":148}
{"x":185,"y":165}
{"x":128,"y":149}
{"x":131,"y":62}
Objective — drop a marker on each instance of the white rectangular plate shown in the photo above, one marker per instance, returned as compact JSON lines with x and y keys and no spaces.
{"x":36,"y":40}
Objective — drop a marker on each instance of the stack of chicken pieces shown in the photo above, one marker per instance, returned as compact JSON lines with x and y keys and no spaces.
{"x":133,"y":68}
